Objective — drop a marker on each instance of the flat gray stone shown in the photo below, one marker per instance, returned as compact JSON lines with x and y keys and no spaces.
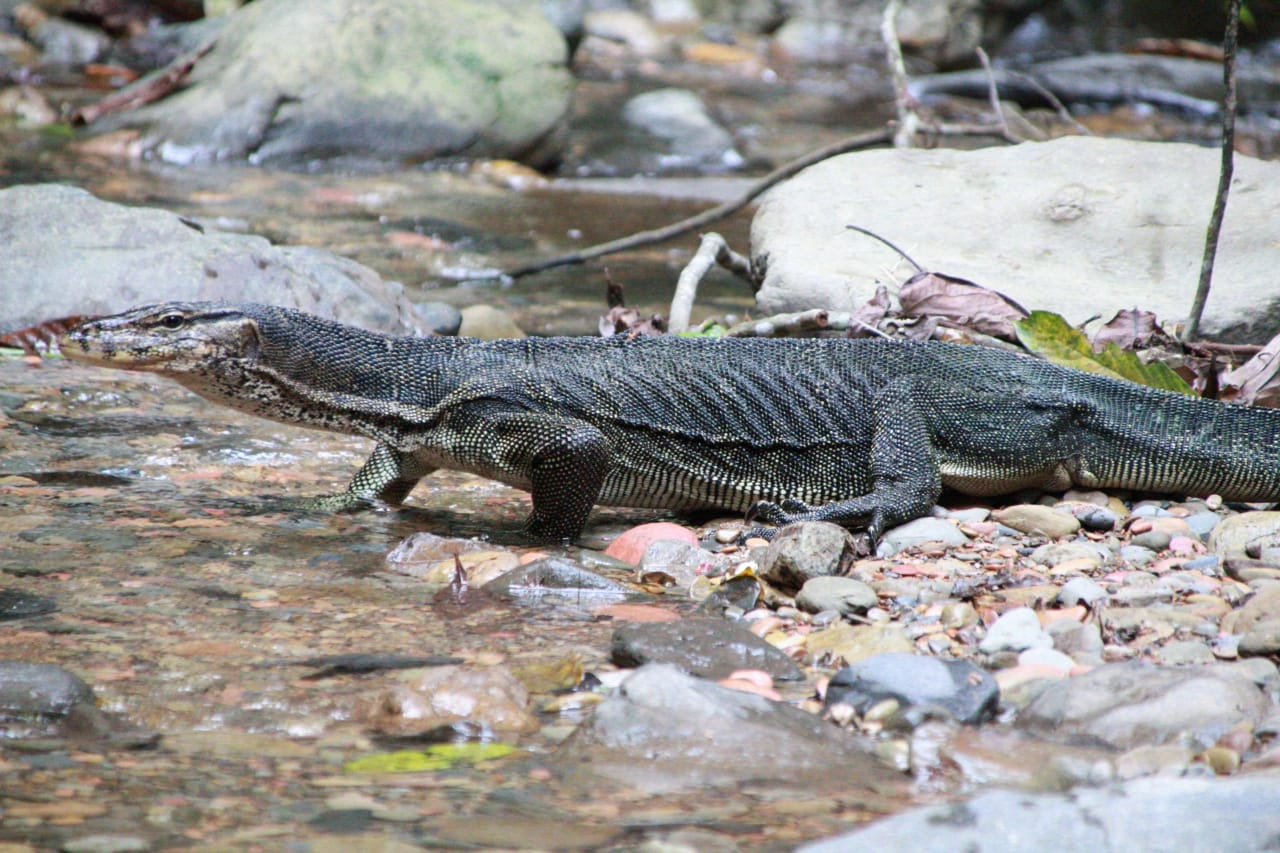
{"x":709,"y":647}
{"x":1094,"y":226}
{"x":959,"y":688}
{"x":1158,"y":815}
{"x":77,"y":254}
{"x":663,"y":730}
{"x":1126,"y":705}
{"x":1015,"y":630}
{"x":919,"y":531}
{"x":40,"y":689}
{"x":846,"y":595}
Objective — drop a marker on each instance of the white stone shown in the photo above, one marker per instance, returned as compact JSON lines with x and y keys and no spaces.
{"x":1080,"y":225}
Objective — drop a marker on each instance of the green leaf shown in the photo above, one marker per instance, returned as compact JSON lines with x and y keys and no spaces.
{"x":439,"y":757}
{"x":1051,"y":337}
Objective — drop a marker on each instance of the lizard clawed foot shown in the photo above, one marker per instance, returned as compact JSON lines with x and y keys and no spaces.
{"x":780,"y":514}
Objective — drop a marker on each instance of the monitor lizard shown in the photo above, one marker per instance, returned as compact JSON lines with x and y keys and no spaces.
{"x":864,"y":433}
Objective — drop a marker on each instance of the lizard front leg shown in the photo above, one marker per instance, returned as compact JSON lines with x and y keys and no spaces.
{"x":388,"y":475}
{"x":565,"y":461}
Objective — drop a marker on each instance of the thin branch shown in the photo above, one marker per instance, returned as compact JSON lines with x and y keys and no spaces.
{"x":903,"y":100}
{"x":715,"y":214}
{"x":873,"y":235}
{"x":1224,"y":173}
{"x":1054,"y":100}
{"x":150,"y":88}
{"x":993,"y":92}
{"x":713,"y":250}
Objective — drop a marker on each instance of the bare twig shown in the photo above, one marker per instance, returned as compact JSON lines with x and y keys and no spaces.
{"x":713,"y":250}
{"x":150,"y":88}
{"x":1224,"y":173}
{"x":715,"y":214}
{"x":993,"y":92}
{"x":782,"y":325}
{"x":903,"y":100}
{"x":873,"y":235}
{"x":1054,"y":100}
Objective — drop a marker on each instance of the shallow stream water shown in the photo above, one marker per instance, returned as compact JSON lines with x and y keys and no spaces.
{"x":191,"y":592}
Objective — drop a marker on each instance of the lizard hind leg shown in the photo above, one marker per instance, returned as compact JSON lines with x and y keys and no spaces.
{"x":904,"y":473}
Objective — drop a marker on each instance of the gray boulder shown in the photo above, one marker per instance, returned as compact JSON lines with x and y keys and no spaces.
{"x":67,"y":252}
{"x":1081,"y":226}
{"x":1157,"y":814}
{"x":290,"y":81}
{"x":1127,"y":705}
{"x":663,"y":730}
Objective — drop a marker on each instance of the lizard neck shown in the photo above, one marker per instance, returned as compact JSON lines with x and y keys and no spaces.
{"x":317,"y":373}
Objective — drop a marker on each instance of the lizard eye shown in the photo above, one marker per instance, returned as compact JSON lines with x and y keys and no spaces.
{"x":173,"y":321}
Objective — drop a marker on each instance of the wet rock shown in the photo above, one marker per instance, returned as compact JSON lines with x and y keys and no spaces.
{"x":17,"y":604}
{"x":806,"y":550}
{"x":918,"y":532}
{"x":1081,"y":591}
{"x":679,"y":120}
{"x":1233,"y":536}
{"x":1088,"y":554}
{"x":958,"y":688}
{"x":1098,"y":519}
{"x":1132,"y":704}
{"x":1258,"y":621}
{"x":487,"y":323}
{"x":664,"y":730}
{"x":709,"y":647}
{"x":1015,"y":630}
{"x":1241,"y":814}
{"x":631,"y":545}
{"x":77,"y":254}
{"x":62,"y":42}
{"x":367,"y":88}
{"x":1136,"y":555}
{"x":490,"y":696}
{"x":625,"y":27}
{"x":1068,"y":201}
{"x":106,"y":844}
{"x":844,"y":595}
{"x":852,"y":643}
{"x":1262,"y":606}
{"x":555,"y":579}
{"x":1038,"y":520}
{"x":440,"y":317}
{"x":40,"y":689}
{"x":1203,"y":524}
{"x":680,"y":562}
{"x":1182,"y":652}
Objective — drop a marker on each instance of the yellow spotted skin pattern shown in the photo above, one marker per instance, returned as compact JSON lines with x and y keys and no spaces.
{"x":861,"y":432}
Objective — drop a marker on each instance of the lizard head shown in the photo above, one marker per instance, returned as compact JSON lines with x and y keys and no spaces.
{"x":169,"y":338}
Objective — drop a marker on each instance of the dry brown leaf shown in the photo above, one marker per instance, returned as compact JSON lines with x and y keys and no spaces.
{"x":1254,"y":379}
{"x":959,"y":302}
{"x":1130,"y":329}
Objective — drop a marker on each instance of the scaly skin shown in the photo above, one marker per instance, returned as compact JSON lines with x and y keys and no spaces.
{"x":862,"y":433}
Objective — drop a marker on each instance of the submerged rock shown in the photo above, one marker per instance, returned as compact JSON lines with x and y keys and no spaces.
{"x":713,"y":648}
{"x":374,"y":79}
{"x":664,"y":730}
{"x":76,"y":254}
{"x":40,"y":690}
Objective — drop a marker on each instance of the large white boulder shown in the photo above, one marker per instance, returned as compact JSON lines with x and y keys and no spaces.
{"x":1079,"y":225}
